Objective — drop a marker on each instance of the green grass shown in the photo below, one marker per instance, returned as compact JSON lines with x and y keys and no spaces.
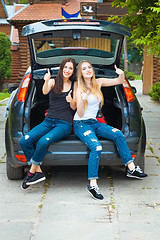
{"x":4,"y":95}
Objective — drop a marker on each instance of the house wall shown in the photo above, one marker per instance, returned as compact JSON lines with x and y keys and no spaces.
{"x":24,"y":54}
{"x":156,"y":69}
{"x":47,"y":1}
{"x":15,"y":66}
{"x":151,"y":72}
{"x":2,"y":11}
{"x":5,"y":29}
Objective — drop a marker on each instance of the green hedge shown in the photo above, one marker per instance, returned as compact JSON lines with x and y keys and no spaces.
{"x":5,"y":57}
{"x":155,"y":92}
{"x":130,"y":75}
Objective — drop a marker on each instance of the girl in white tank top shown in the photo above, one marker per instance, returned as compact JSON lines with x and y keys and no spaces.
{"x":86,"y":127}
{"x":91,"y":109}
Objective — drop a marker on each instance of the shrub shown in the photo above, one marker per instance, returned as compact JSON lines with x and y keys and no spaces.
{"x":5,"y":90}
{"x":5,"y":57}
{"x":130,"y":75}
{"x":23,"y":1}
{"x":155,"y":92}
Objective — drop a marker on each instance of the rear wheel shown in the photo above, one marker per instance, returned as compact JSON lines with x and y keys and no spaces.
{"x":140,"y":159}
{"x":14,"y":173}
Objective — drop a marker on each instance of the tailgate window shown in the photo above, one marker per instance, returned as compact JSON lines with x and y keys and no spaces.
{"x":52,"y":51}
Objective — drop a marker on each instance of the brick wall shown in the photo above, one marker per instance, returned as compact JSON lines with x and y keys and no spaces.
{"x":5,"y":29}
{"x":2,"y":11}
{"x":156,"y":69}
{"x":47,"y":1}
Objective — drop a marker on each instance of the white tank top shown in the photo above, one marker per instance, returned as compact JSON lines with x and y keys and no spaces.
{"x":90,"y":110}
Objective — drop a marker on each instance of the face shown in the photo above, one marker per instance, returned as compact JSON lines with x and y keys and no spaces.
{"x":68,"y":70}
{"x":87,"y":70}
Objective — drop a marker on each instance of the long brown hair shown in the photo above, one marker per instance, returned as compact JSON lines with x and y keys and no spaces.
{"x":96,"y":91}
{"x":58,"y":87}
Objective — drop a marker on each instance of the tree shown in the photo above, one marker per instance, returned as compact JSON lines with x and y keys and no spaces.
{"x":23,"y":1}
{"x":125,"y":54}
{"x":5,"y":57}
{"x":143,"y":18}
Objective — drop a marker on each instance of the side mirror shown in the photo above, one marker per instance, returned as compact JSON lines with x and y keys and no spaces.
{"x":11,"y":89}
{"x":134,"y":89}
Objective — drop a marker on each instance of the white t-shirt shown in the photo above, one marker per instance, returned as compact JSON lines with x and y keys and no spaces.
{"x":90,"y":110}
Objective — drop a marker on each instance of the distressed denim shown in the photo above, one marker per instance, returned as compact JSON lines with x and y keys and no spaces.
{"x":36,"y":142}
{"x":88,"y":131}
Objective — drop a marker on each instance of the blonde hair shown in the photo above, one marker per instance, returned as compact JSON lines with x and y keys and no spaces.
{"x":96,"y":91}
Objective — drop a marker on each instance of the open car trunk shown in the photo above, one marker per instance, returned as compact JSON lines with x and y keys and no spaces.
{"x":99,"y":42}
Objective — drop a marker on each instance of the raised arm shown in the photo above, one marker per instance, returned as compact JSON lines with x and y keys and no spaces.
{"x":104,"y":82}
{"x":48,"y":84}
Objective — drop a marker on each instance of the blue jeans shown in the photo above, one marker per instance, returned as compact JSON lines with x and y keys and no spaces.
{"x":88,"y":131}
{"x":47,"y":132}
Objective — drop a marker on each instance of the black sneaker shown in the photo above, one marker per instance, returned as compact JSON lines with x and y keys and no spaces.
{"x":94,"y":191}
{"x":26,"y":179}
{"x":136,"y":173}
{"x":38,"y":177}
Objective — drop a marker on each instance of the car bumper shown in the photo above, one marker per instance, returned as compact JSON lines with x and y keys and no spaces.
{"x":74,"y":152}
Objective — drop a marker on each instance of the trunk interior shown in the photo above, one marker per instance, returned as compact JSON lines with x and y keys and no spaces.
{"x":111,"y":108}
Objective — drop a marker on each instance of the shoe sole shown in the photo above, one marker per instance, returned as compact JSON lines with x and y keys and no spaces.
{"x":25,"y":187}
{"x":131,"y":176}
{"x":37,"y":181}
{"x":93,"y":196}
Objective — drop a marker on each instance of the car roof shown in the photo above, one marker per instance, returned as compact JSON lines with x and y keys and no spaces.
{"x":75,"y":24}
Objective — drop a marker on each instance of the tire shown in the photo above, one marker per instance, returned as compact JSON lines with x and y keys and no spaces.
{"x":140,"y":159}
{"x":142,"y":165}
{"x":14,"y":173}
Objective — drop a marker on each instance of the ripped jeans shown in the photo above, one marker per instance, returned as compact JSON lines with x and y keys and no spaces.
{"x":47,"y":132}
{"x":88,"y":131}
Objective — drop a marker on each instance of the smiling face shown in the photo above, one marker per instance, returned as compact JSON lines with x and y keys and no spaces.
{"x":86,"y":70}
{"x":68,"y":70}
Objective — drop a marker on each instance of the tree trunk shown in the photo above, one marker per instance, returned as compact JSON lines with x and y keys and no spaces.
{"x":125,"y":54}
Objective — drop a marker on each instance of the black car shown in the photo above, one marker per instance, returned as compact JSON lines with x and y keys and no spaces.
{"x":100,"y":42}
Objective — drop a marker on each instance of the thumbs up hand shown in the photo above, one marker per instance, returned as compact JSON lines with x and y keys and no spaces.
{"x":118,"y":70}
{"x":47,"y":76}
{"x":69,"y":97}
{"x":83,"y":96}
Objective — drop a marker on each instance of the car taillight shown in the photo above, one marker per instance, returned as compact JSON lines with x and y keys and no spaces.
{"x":24,"y":88}
{"x":128,"y":91}
{"x":21,"y":158}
